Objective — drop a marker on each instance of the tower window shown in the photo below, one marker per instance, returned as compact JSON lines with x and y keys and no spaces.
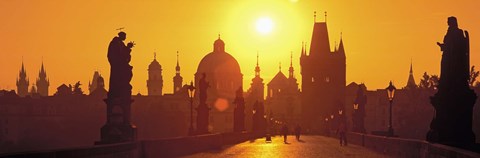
{"x":313,"y":79}
{"x":327,"y":79}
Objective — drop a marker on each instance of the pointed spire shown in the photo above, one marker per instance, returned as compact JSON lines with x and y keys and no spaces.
{"x":315,"y":16}
{"x":303,"y":48}
{"x":177,"y":68}
{"x":340,"y":46}
{"x":154,"y":55}
{"x":411,"y":80}
{"x":257,"y":68}
{"x":325,"y":16}
{"x":411,"y":65}
{"x":280,"y":66}
{"x":290,"y":70}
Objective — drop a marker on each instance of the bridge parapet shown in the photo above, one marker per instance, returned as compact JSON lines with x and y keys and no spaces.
{"x":408,"y":148}
{"x":170,"y":147}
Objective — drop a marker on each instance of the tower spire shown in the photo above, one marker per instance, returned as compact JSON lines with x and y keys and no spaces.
{"x":290,"y":70}
{"x":154,"y":55}
{"x":257,"y":68}
{"x":325,"y":16}
{"x":315,"y":16}
{"x":177,"y":68}
{"x":280,"y":66}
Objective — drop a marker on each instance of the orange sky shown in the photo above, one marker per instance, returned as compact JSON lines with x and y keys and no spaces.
{"x":72,"y":36}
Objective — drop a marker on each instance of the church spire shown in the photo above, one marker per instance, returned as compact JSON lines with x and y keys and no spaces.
{"x":22,"y":82}
{"x":290,"y":70}
{"x":177,"y":79}
{"x":257,"y":68}
{"x":177,"y":68}
{"x":280,"y":66}
{"x":42,"y":82}
{"x":411,"y":81}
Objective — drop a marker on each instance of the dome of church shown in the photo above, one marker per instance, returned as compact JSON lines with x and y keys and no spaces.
{"x":219,"y":61}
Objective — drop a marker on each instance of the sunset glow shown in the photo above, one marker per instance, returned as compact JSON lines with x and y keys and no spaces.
{"x":264,"y":25}
{"x":72,"y":37}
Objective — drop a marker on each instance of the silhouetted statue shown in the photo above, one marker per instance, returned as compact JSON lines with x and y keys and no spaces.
{"x":239,"y":112}
{"x":118,"y":127}
{"x":455,"y":58}
{"x":454,"y":101}
{"x":202,"y":109}
{"x":120,"y":69}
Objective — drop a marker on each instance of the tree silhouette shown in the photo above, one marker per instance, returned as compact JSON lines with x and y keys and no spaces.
{"x":425,"y":81}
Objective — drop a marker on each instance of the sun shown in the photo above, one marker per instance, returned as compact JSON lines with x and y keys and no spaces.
{"x":264,"y":25}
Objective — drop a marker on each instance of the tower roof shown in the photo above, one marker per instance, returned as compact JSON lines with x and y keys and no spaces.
{"x":154,"y":65}
{"x":320,"y":43}
{"x":411,"y":81}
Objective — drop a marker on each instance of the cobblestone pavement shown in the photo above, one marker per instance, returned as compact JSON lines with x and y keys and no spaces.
{"x":308,"y":146}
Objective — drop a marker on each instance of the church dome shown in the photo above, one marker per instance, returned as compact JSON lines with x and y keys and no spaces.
{"x":219,"y":61}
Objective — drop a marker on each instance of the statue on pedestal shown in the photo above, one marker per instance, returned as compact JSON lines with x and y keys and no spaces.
{"x":239,"y":112}
{"x":118,"y":127}
{"x":454,"y":101}
{"x":203,"y":109}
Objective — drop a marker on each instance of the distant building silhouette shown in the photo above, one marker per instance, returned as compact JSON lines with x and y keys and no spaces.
{"x":411,"y":81}
{"x":255,"y":93}
{"x":323,"y":78}
{"x":177,"y":79}
{"x":42,"y":82}
{"x":155,"y":79}
{"x":100,"y":90}
{"x":93,"y":85}
{"x":283,"y":97}
{"x":224,"y":75}
{"x":22,"y":82}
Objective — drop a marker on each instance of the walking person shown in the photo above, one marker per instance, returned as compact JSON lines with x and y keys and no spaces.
{"x":342,"y":132}
{"x":298,"y":130}
{"x":285,"y":133}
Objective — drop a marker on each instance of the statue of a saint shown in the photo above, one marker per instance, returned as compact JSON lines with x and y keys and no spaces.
{"x":121,"y":71}
{"x":203,"y":86}
{"x":454,"y":64}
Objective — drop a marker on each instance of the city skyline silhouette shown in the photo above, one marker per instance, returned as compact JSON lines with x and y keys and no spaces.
{"x":71,"y":41}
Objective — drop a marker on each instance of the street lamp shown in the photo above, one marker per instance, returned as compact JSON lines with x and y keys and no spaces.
{"x":355,"y":117}
{"x":191,"y":93}
{"x":390,"y":94}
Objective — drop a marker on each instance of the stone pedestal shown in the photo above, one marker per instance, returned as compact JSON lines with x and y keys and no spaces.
{"x":452,"y":123}
{"x":202,"y":119}
{"x":118,"y":127}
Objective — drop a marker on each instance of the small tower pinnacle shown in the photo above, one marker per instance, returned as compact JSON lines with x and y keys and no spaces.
{"x":325,"y":16}
{"x":315,"y":16}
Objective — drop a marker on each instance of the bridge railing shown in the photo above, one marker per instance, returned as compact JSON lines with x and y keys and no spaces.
{"x":170,"y":147}
{"x":408,"y":148}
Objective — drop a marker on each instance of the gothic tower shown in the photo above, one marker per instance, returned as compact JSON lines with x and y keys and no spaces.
{"x":42,"y":82}
{"x":411,"y":81}
{"x":93,"y":85}
{"x":22,"y":82}
{"x":155,"y":79}
{"x":177,"y":79}
{"x":323,"y":78}
{"x":257,"y":87}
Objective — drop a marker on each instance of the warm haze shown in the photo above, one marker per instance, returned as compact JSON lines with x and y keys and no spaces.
{"x":380,"y":37}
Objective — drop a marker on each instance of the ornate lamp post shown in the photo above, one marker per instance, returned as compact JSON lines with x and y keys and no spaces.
{"x":355,"y":117}
{"x":191,"y":94}
{"x":390,"y":94}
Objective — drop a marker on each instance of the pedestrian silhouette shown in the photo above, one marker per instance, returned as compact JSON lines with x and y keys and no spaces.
{"x":285,"y":133}
{"x":298,"y":130}
{"x":341,"y":131}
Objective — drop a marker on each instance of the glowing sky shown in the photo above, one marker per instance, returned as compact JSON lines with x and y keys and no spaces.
{"x":380,"y":37}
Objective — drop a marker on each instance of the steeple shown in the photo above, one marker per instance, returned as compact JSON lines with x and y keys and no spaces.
{"x":290,"y":70}
{"x":22,"y":82}
{"x":177,"y":68}
{"x":411,"y":81}
{"x":177,"y":79}
{"x":155,"y":79}
{"x":257,"y":68}
{"x":341,"y":50}
{"x":279,"y":66}
{"x":42,"y":82}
